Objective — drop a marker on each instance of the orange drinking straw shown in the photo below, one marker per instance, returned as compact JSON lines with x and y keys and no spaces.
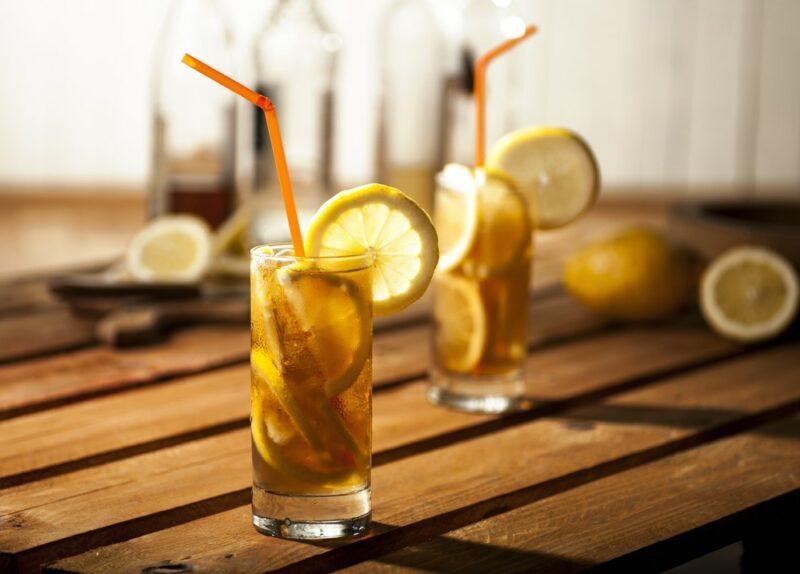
{"x":275,"y":141}
{"x":480,"y":90}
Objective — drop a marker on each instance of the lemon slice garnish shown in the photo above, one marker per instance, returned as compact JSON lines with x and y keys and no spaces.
{"x":455,"y":215}
{"x":460,"y":323}
{"x":170,"y":249}
{"x":554,"y":168}
{"x":388,"y":224}
{"x":749,"y":294}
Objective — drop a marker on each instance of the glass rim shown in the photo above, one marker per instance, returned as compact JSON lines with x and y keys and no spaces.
{"x":284,"y":252}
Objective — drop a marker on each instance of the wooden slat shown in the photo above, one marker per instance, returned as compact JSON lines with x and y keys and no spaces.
{"x":62,"y":378}
{"x":621,"y":514}
{"x":149,"y":418}
{"x":48,"y":331}
{"x":50,"y":381}
{"x":413,"y":492}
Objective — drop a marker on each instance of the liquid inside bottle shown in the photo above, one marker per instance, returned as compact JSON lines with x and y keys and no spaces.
{"x":193,"y":123}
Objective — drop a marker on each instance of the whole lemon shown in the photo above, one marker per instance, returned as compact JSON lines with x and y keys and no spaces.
{"x":635,"y":276}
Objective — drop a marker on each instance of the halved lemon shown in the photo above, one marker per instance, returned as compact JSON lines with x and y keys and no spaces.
{"x":335,"y":315}
{"x":749,"y":294}
{"x":388,"y":224}
{"x":460,"y":322}
{"x":455,"y":215}
{"x":171,"y":249}
{"x":554,"y":168}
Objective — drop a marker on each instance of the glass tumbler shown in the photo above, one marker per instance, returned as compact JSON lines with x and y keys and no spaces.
{"x":311,"y":393}
{"x":481,"y":295}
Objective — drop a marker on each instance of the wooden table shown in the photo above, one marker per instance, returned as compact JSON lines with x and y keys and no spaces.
{"x":642,"y":447}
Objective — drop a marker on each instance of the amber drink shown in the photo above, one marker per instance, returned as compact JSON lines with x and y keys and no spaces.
{"x":311,"y":397}
{"x":480,"y":292}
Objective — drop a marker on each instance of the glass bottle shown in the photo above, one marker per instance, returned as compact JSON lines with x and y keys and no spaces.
{"x":486,"y":24}
{"x":194,"y":125}
{"x":296,"y":54}
{"x":413,"y":76}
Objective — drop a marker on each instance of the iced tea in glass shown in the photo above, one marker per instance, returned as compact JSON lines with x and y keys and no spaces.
{"x":480,"y":292}
{"x":311,"y":393}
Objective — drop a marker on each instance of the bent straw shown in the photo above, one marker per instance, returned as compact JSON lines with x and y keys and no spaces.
{"x":271,"y":116}
{"x":480,"y":90}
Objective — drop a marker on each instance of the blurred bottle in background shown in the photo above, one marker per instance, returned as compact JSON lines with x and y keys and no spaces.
{"x":486,"y":23}
{"x":194,"y":124}
{"x":412,"y":54}
{"x":296,"y":56}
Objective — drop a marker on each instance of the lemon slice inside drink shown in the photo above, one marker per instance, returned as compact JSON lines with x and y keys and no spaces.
{"x":170,"y":249}
{"x":310,"y":412}
{"x":481,"y":220}
{"x":554,"y":168}
{"x":388,"y":224}
{"x":277,"y":420}
{"x":460,"y":323}
{"x":749,"y":294}
{"x":335,"y":315}
{"x":455,"y":214}
{"x":504,"y":226}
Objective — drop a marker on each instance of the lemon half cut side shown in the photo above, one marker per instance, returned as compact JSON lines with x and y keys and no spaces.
{"x":171,"y":249}
{"x":749,"y":294}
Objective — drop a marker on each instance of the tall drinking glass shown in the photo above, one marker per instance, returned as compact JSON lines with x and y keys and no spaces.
{"x":480,"y":292}
{"x":311,"y":393}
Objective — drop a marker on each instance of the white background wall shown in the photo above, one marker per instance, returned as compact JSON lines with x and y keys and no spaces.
{"x":668,"y":92}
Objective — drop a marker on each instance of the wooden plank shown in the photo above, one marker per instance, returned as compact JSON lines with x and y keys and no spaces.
{"x":620,"y":514}
{"x":59,"y":379}
{"x":109,"y":427}
{"x":38,"y":333}
{"x":425,"y":495}
{"x":50,"y":381}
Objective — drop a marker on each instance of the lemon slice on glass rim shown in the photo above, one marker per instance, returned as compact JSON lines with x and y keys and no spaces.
{"x":749,"y":294}
{"x":386,"y":223}
{"x":554,"y":168}
{"x":170,"y":249}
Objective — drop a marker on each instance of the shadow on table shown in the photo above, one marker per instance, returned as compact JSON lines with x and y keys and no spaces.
{"x":447,"y":554}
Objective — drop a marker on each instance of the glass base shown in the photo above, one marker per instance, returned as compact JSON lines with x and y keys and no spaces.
{"x":471,"y":394}
{"x":311,"y":517}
